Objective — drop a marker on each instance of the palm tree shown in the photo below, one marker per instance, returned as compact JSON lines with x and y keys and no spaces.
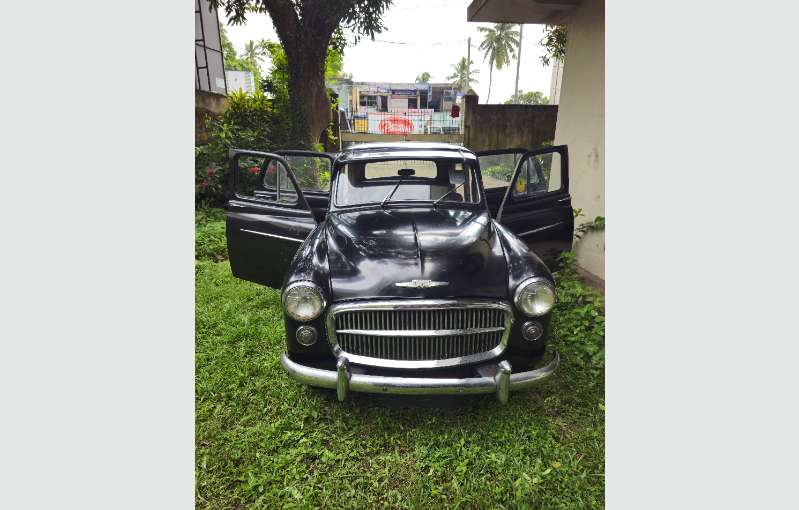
{"x":459,"y":74}
{"x":518,"y":65}
{"x":423,"y":78}
{"x":253,"y":52}
{"x":499,"y":46}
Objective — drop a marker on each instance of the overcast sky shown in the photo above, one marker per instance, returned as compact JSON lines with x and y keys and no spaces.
{"x":434,"y":34}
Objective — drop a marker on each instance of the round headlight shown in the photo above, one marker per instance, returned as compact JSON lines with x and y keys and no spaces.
{"x":303,"y":301}
{"x":535,"y":297}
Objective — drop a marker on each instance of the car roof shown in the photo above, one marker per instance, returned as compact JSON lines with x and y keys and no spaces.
{"x":404,"y":150}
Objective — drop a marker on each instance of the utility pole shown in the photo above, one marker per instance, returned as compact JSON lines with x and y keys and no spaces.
{"x":468,"y":61}
{"x":518,"y":61}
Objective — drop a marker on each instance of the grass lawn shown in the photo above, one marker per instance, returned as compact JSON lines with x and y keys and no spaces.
{"x":264,"y":441}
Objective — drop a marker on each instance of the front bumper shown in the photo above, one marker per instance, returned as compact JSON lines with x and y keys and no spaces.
{"x":343,"y":380}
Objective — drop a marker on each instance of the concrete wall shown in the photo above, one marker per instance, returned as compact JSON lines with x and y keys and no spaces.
{"x":206,"y":103}
{"x":581,"y":125}
{"x":350,"y":138}
{"x":505,"y":126}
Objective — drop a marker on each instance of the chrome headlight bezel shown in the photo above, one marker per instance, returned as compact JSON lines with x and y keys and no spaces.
{"x":538,"y":282}
{"x":313,"y":287}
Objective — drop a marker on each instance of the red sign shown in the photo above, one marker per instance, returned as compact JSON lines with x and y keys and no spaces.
{"x":395,"y":125}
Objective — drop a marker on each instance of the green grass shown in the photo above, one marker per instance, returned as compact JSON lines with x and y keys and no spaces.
{"x":209,"y":237}
{"x":264,"y":441}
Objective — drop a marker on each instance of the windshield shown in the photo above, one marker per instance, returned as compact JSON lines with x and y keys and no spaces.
{"x":416,"y":180}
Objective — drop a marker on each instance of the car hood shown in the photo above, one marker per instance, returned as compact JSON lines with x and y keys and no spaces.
{"x":370,"y":252}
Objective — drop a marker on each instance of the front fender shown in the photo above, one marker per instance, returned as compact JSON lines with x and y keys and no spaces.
{"x":522,"y":262}
{"x":309,"y":263}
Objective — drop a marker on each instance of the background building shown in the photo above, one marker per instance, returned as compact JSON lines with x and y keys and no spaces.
{"x":397,"y":108}
{"x":210,"y":85}
{"x":208,"y":61}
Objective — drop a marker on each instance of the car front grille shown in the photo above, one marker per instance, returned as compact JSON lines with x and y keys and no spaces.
{"x":419,"y":333}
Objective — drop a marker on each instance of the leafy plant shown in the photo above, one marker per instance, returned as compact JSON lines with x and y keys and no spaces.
{"x":324,"y":179}
{"x":554,"y":43}
{"x":501,"y":172}
{"x":247,"y":123}
{"x":590,"y":226}
{"x":579,"y":316}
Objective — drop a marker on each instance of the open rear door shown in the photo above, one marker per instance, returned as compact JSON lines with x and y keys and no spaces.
{"x":536,"y":205}
{"x":268,"y":217}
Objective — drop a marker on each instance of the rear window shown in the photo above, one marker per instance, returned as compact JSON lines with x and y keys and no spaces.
{"x":421,"y":168}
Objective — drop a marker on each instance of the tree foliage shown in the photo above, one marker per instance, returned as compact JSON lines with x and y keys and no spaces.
{"x":554,"y":43}
{"x":307,"y":28}
{"x":499,"y":47}
{"x":248,"y":61}
{"x":530,"y":97}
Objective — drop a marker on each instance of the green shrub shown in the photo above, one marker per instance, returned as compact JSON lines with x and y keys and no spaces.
{"x":501,"y":172}
{"x":247,"y":123}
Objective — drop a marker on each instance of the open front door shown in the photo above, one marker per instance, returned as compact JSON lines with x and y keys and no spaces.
{"x":313,"y":171}
{"x":268,"y":217}
{"x":535,"y":204}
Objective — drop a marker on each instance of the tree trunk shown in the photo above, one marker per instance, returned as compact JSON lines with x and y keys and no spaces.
{"x":490,"y":75}
{"x":308,"y":102}
{"x":518,"y":63}
{"x":305,"y":39}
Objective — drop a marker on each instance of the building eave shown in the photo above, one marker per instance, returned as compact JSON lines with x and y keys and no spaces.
{"x":550,"y":12}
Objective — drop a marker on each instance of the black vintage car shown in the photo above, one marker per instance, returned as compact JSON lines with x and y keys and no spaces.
{"x":411,"y":268}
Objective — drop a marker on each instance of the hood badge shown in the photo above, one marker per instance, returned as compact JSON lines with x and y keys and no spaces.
{"x":421,"y":284}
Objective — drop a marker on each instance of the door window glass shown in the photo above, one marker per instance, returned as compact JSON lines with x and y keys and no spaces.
{"x":497,"y":169}
{"x":312,"y":172}
{"x":264,"y":179}
{"x":539,"y":174}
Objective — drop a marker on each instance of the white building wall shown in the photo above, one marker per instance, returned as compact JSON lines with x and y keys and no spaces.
{"x":581,"y":125}
{"x":240,"y":80}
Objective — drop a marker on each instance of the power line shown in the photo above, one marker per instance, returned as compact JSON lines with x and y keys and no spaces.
{"x":428,"y":6}
{"x":460,"y":41}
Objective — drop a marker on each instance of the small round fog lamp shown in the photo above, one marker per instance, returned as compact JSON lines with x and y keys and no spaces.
{"x":306,"y":335}
{"x":532,"y":331}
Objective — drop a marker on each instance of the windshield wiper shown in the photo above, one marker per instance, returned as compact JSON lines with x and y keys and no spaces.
{"x":453,"y":190}
{"x":388,"y":197}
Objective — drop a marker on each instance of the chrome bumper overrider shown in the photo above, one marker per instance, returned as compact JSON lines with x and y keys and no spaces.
{"x":343,"y":380}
